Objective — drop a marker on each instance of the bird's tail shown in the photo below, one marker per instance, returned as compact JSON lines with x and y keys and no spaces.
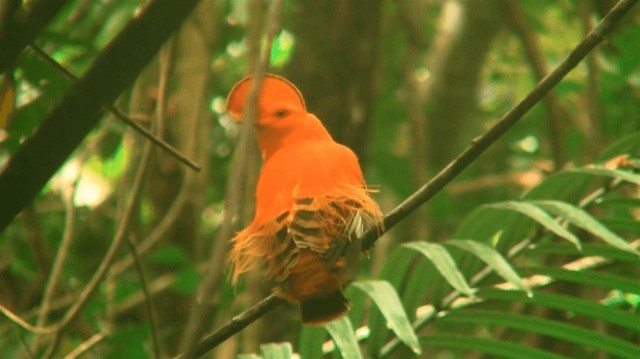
{"x":321,"y":310}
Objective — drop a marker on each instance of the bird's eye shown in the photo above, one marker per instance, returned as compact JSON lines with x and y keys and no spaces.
{"x":281,"y":113}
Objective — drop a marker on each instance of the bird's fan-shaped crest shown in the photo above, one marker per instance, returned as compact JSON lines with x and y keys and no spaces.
{"x":274,"y":87}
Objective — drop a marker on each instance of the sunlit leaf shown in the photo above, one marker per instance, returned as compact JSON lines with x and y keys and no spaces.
{"x":567,"y":303}
{"x":387,"y":301}
{"x":539,"y":216}
{"x":344,"y":337}
{"x":443,"y":262}
{"x":613,"y":173}
{"x":494,"y":348}
{"x":282,"y":48}
{"x":585,"y":221}
{"x":276,"y":351}
{"x":311,"y":339}
{"x":494,"y":259}
{"x":554,"y":329}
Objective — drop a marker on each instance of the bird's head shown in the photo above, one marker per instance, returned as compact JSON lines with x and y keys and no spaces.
{"x":280,"y":105}
{"x":282,"y":114}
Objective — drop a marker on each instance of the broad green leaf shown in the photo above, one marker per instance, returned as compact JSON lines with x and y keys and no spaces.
{"x":311,"y":340}
{"x":602,"y":171}
{"x":443,"y":262}
{"x":169,"y":254}
{"x":585,"y":221}
{"x":629,"y":144}
{"x":494,"y":348}
{"x":248,"y":356}
{"x":601,"y":250}
{"x":343,"y":335}
{"x":622,"y":224}
{"x":566,"y":303}
{"x":494,"y":259}
{"x":387,"y":301}
{"x":276,"y":351}
{"x":606,"y":280}
{"x":539,"y":216}
{"x":554,"y":329}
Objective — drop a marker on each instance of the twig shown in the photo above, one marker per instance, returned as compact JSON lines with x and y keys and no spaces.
{"x":236,"y":324}
{"x":79,"y":111}
{"x":157,"y":233}
{"x":591,"y":124}
{"x":479,"y":144}
{"x":22,"y":27}
{"x":119,"y":239}
{"x":61,"y":255}
{"x":121,"y":115}
{"x":147,"y":298}
{"x":234,"y":196}
{"x":555,"y":111}
{"x":86,"y":345}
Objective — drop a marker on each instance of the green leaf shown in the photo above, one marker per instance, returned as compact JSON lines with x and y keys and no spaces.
{"x":585,"y":221}
{"x":487,"y":346}
{"x":386,"y":298}
{"x":276,"y":351}
{"x":539,"y":216}
{"x":601,"y":250}
{"x":311,"y":340}
{"x":622,"y":224}
{"x":169,"y":254}
{"x":443,"y":262}
{"x":186,"y":281}
{"x":494,"y":259}
{"x":629,"y":144}
{"x":550,"y":328}
{"x":282,"y":48}
{"x":248,"y":356}
{"x":566,"y":303}
{"x":606,"y":280}
{"x":602,"y":171}
{"x":344,"y":337}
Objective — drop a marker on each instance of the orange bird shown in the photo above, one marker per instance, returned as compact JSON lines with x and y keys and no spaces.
{"x":312,"y":204}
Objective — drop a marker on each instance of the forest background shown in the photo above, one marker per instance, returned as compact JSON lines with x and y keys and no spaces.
{"x":118,"y":250}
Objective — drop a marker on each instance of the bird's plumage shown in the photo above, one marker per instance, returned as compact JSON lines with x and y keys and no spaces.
{"x":312,"y":204}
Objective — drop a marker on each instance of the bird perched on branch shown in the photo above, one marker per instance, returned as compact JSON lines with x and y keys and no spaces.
{"x":312,"y":204}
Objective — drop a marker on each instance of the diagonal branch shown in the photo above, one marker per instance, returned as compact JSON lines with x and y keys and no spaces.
{"x":156,"y":140}
{"x":80,"y":110}
{"x":454,"y":168}
{"x":19,"y":27}
{"x":481,"y":143}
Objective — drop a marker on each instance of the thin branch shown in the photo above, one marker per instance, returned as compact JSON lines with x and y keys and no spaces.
{"x":234,"y":196}
{"x":68,"y":123}
{"x":555,"y":112}
{"x":481,"y":143}
{"x":468,"y":155}
{"x":119,"y":239}
{"x":86,"y":345}
{"x":61,"y":255}
{"x":156,"y":140}
{"x":235,"y":325}
{"x":147,"y":298}
{"x":22,"y":26}
{"x":157,"y":234}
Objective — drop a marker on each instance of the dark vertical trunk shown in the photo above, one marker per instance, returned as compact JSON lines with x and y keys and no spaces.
{"x":335,"y":65}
